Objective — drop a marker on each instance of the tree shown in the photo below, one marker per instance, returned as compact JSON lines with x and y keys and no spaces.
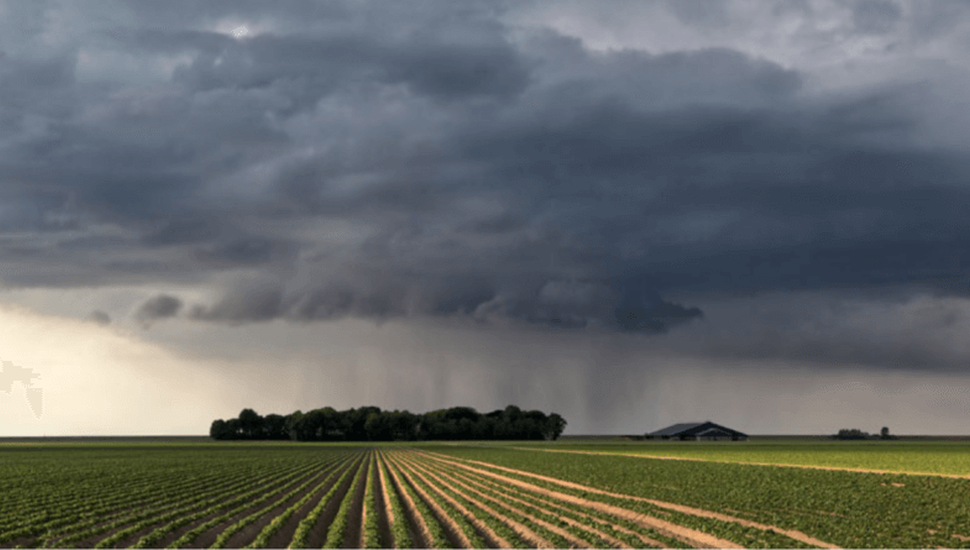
{"x":373,"y":424}
{"x":853,"y":433}
{"x":555,"y":424}
{"x":292,"y":421}
{"x":218,"y":429}
{"x":274,"y":427}
{"x":251,"y":424}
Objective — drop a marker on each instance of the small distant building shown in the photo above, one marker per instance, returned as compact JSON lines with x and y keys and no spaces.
{"x":698,"y":431}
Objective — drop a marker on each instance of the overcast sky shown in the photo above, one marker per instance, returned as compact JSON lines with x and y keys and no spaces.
{"x":632,"y":214}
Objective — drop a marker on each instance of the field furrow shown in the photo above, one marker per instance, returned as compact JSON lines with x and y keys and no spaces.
{"x":450,"y":525}
{"x":692,"y":537}
{"x":394,"y":527}
{"x":247,"y":528}
{"x":527,"y":531}
{"x":311,"y":531}
{"x":420,"y":530}
{"x":538,"y":512}
{"x":614,"y":530}
{"x":457,"y":495}
{"x":107,"y":535}
{"x":791,"y":534}
{"x":492,"y":538}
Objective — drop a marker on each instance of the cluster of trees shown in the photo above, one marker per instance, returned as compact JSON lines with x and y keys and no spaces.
{"x":859,"y":434}
{"x":373,"y":424}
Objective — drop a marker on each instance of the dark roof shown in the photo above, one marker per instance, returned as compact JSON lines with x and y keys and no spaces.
{"x":707,"y":428}
{"x":676,"y":429}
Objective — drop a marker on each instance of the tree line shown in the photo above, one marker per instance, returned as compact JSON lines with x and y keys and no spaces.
{"x":855,"y":433}
{"x":373,"y":424}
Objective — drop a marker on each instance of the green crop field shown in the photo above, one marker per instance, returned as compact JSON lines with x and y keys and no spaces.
{"x":203,"y":494}
{"x":938,"y":457}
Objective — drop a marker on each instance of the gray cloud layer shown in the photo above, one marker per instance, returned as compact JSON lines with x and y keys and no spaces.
{"x":360,"y":160}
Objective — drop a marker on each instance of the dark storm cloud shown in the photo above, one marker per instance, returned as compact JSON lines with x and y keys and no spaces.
{"x":160,"y":307}
{"x":256,"y":301}
{"x":478,"y":168}
{"x":99,"y":317}
{"x":875,"y":16}
{"x":898,"y":329}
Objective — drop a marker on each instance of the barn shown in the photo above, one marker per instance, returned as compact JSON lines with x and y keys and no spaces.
{"x":698,"y":431}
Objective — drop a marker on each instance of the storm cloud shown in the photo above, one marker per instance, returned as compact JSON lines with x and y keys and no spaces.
{"x":157,"y":308}
{"x":441,"y":161}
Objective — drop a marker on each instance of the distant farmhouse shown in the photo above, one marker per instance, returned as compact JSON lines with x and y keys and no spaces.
{"x":697,"y":431}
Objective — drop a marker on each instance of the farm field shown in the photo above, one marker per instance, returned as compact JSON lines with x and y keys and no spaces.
{"x":444,"y":495}
{"x":938,"y":457}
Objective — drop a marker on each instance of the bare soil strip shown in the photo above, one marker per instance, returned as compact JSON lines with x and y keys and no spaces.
{"x":355,"y":519}
{"x":790,"y":533}
{"x":136,"y":536}
{"x":361,"y":543}
{"x":573,"y":540}
{"x":386,"y":513}
{"x":697,"y":539}
{"x":805,"y":466}
{"x":557,"y":509}
{"x":454,"y":532}
{"x":420,"y":534}
{"x":318,"y":535}
{"x":206,"y":539}
{"x":177,"y":533}
{"x":493,"y":539}
{"x":251,"y":531}
{"x":283,"y":537}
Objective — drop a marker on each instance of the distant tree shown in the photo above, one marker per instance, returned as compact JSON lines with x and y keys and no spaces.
{"x":555,"y":424}
{"x":251,"y":424}
{"x":851,"y":434}
{"x":404,"y":425}
{"x":218,"y":430}
{"x":233,"y":431}
{"x":378,"y":427}
{"x":274,"y":427}
{"x":884,"y":434}
{"x":373,"y":424}
{"x":292,"y":420}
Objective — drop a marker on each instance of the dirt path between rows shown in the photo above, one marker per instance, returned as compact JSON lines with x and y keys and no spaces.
{"x":793,"y":534}
{"x":364,"y":509}
{"x":491,"y":537}
{"x":386,"y":516}
{"x":207,"y":538}
{"x":420,"y":535}
{"x":269,"y":486}
{"x":697,"y":539}
{"x":355,"y":525}
{"x":133,"y":538}
{"x":451,"y":527}
{"x":251,"y":531}
{"x":284,"y":536}
{"x":781,"y":465}
{"x":318,"y":534}
{"x":573,"y":540}
{"x":554,"y":508}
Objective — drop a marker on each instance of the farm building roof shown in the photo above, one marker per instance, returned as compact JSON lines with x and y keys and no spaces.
{"x":697,"y":428}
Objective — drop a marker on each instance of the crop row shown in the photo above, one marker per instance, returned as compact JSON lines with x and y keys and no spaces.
{"x":941,"y":457}
{"x":317,"y":496}
{"x":514,"y":516}
{"x":851,"y":509}
{"x":91,"y":495}
{"x":182,"y":512}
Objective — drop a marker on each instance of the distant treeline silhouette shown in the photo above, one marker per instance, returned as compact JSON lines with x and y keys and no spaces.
{"x":373,"y":424}
{"x":855,"y":433}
